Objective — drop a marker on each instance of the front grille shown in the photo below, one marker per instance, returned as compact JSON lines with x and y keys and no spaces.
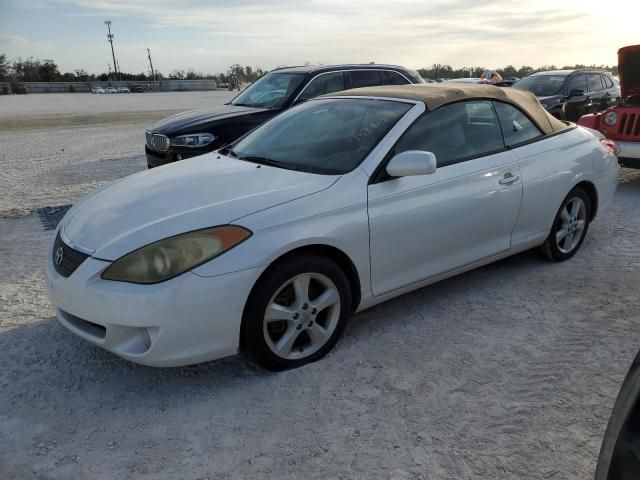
{"x":629,"y":125}
{"x":65,"y":259}
{"x":157,"y":142}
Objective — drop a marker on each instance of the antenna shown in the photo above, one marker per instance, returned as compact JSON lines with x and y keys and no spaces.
{"x":153,"y":74}
{"x":110,"y":40}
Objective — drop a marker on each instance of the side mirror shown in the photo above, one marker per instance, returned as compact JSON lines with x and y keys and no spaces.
{"x":576,"y":92}
{"x":411,"y":163}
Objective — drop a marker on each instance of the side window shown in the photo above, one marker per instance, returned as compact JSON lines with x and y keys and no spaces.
{"x":323,"y":84}
{"x":365,"y":78}
{"x":393,"y":78}
{"x":455,"y":132}
{"x":595,"y":83}
{"x":577,"y":82}
{"x":516,"y":126}
{"x":607,"y":82}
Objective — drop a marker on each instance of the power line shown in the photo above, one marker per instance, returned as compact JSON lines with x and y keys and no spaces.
{"x":110,"y":40}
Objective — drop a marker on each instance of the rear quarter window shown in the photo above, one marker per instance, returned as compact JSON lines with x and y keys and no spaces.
{"x":394,"y":78}
{"x":517,"y":128}
{"x":607,"y":82}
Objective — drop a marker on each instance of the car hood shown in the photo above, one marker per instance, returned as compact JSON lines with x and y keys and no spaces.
{"x":197,"y":193}
{"x":194,"y":118}
{"x":629,"y":70}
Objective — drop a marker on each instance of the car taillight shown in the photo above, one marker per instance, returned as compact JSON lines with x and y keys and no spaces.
{"x":610,"y":145}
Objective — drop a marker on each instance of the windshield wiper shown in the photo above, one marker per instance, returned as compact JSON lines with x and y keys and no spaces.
{"x":266,"y":107}
{"x":262,"y":161}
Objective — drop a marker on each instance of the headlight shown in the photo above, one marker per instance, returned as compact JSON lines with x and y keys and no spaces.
{"x":611,"y":118}
{"x":193,"y":140}
{"x":172,"y":256}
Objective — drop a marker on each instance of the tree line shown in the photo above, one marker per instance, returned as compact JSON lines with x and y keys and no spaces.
{"x":46,"y":70}
{"x":438,"y":70}
{"x":37,"y":70}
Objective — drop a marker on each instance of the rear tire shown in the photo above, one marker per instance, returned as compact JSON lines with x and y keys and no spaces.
{"x":569,"y":227}
{"x":296,"y":312}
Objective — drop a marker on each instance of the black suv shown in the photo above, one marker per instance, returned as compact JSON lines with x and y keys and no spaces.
{"x":569,"y":94}
{"x":200,"y":131}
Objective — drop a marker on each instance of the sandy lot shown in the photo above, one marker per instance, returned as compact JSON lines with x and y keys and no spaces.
{"x":509,"y":371}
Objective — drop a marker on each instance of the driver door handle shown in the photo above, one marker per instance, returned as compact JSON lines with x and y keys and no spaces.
{"x":509,"y":178}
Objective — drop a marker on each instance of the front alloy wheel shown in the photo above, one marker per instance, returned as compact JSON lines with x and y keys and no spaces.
{"x":296,"y":312}
{"x":301,"y":316}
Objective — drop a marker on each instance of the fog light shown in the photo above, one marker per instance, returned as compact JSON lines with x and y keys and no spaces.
{"x":146,"y":339}
{"x":179,"y":156}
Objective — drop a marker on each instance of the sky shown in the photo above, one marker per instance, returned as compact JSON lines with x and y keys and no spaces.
{"x":210,"y":35}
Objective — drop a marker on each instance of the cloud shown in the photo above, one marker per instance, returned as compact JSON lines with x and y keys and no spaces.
{"x":14,"y":41}
{"x":209,"y":35}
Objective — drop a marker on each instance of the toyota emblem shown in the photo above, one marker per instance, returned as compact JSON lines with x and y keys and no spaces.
{"x":58,"y":256}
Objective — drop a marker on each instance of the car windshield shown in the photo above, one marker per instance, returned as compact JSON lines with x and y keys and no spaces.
{"x":542,"y":85}
{"x":270,"y":91}
{"x":328,"y":136}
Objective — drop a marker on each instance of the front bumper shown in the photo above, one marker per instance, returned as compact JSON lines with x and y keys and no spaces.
{"x":185,"y":320}
{"x":629,"y":150}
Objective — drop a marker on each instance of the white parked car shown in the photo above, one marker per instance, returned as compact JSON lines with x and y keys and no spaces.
{"x":99,"y":90}
{"x":329,"y":208}
{"x":110,"y":90}
{"x":123,"y":90}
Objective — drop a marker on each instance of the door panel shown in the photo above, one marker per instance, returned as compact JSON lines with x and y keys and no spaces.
{"x":423,"y":226}
{"x":578,"y":105}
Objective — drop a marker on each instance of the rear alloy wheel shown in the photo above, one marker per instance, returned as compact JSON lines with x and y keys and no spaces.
{"x":569,"y":227}
{"x":296,"y":312}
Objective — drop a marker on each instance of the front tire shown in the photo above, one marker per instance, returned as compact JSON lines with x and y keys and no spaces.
{"x":296,"y":312}
{"x":569,"y":227}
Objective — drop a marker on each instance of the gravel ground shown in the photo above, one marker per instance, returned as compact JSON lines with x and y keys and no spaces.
{"x":509,"y":371}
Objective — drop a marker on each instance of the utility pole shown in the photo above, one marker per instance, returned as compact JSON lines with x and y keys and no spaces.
{"x":110,"y":40}
{"x":153,"y":74}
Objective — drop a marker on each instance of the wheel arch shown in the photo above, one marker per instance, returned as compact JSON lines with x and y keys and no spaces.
{"x":592,"y":192}
{"x":338,"y":256}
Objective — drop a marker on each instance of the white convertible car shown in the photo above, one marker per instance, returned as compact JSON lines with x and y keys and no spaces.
{"x":269,"y":245}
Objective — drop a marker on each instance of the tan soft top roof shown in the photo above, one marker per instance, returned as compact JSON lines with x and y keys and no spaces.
{"x":435,"y":96}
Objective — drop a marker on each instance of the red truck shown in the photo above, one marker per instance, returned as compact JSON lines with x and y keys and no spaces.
{"x":621,"y":123}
